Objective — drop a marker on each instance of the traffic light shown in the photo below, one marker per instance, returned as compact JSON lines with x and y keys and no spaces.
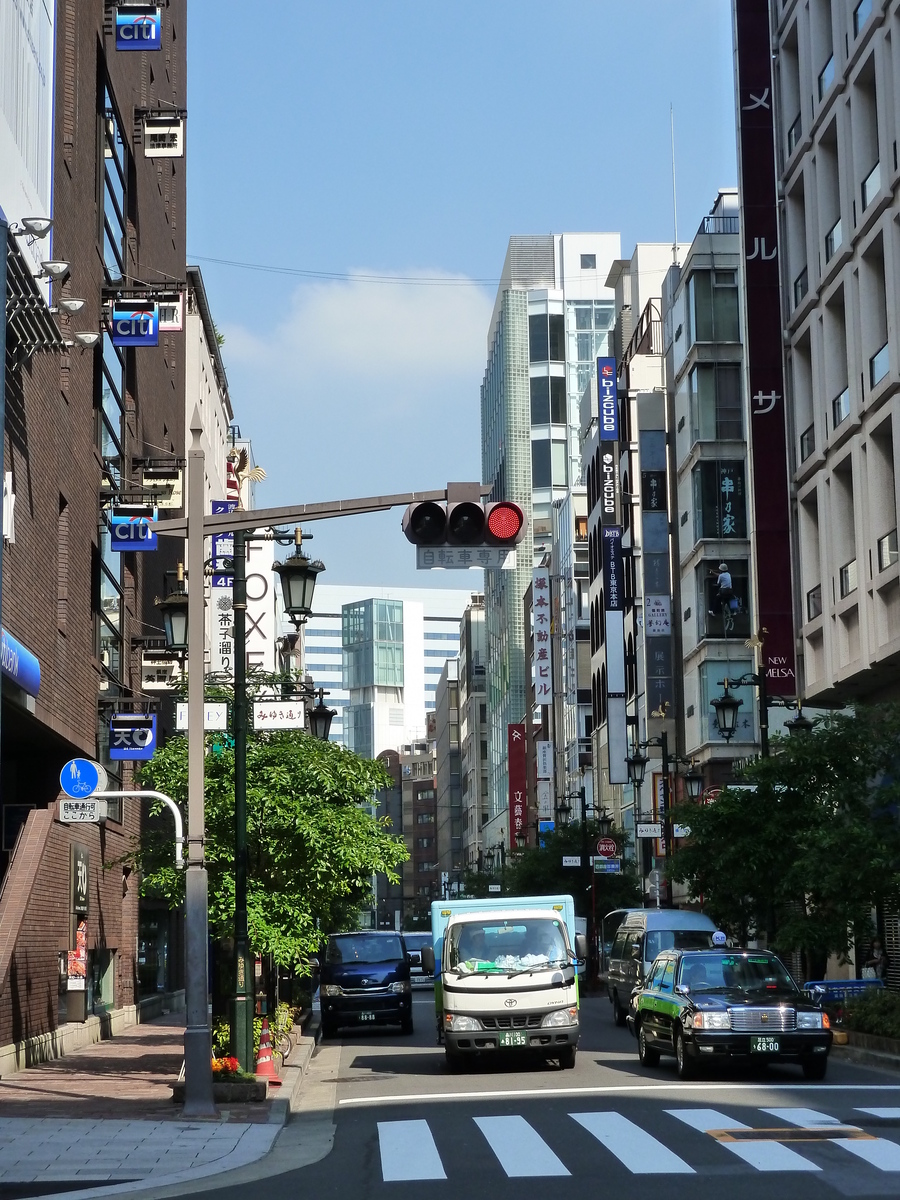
{"x":464,"y":520}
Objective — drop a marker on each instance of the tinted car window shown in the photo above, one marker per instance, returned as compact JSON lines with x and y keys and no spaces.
{"x":633,"y":944}
{"x":618,"y":950}
{"x":415,"y":941}
{"x":676,"y":939}
{"x":363,"y":948}
{"x":655,"y":973}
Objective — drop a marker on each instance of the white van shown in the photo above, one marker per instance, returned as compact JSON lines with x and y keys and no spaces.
{"x":642,"y":935}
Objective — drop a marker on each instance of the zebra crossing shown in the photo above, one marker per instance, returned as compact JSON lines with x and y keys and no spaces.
{"x":780,"y":1140}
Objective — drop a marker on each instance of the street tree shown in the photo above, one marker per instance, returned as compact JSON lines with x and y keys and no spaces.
{"x":804,"y":857}
{"x":313,"y":841}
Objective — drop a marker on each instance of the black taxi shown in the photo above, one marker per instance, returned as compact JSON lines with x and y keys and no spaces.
{"x":705,"y":1005}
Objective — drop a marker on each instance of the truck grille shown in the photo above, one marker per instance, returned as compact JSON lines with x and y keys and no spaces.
{"x":532,"y":1021}
{"x":765,"y":1020}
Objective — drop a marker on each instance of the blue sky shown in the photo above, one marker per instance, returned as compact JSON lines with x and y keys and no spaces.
{"x":410,"y":140}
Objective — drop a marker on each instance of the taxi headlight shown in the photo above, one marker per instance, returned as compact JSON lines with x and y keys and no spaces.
{"x":457,"y":1023}
{"x":561,"y":1016}
{"x":332,"y":989}
{"x":712,"y":1020}
{"x":809,"y":1020}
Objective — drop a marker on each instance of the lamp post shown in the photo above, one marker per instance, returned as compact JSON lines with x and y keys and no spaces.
{"x":727,"y":706}
{"x":693,"y":779}
{"x":320,"y":717}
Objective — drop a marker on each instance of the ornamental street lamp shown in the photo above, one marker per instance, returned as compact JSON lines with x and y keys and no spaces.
{"x":637,"y":767}
{"x":693,"y":782}
{"x":174,"y":609}
{"x":320,"y":718}
{"x":298,"y":581}
{"x":799,"y":726}
{"x":726,"y":707}
{"x":604,"y":824}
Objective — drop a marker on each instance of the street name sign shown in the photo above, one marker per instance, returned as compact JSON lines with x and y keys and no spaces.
{"x":571,"y":860}
{"x":607,"y":866}
{"x":650,"y":829}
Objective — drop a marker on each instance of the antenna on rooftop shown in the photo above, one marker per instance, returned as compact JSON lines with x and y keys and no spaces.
{"x":674,"y":195}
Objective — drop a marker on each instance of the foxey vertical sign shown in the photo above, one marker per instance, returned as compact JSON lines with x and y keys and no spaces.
{"x":517,"y":760}
{"x":543,"y":644}
{"x":763,"y":342}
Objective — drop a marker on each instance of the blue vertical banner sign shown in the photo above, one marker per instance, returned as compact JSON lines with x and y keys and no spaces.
{"x":135,"y":323}
{"x":138,"y":28}
{"x":222,"y":547}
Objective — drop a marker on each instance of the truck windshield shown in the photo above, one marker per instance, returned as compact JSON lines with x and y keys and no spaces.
{"x":503,"y":947}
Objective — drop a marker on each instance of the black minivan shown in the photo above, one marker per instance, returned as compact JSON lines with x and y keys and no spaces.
{"x":365,"y":981}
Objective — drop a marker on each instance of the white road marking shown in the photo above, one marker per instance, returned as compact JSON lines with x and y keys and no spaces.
{"x":806,"y":1118}
{"x":408,"y":1151}
{"x":616,"y":1089}
{"x":636,"y":1149}
{"x":764,"y":1156}
{"x":878,"y":1152}
{"x":521,"y":1150}
{"x":886,"y":1113}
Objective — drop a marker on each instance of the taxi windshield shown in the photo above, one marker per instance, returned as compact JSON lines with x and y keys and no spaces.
{"x":748,"y":974}
{"x":490,"y":947}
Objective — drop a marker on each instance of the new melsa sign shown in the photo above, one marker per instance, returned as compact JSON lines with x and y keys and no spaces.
{"x":138,"y":28}
{"x":135,"y":323}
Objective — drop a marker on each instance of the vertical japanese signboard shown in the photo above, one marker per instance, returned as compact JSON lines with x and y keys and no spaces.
{"x":656,"y":561}
{"x":221,"y":609}
{"x":763,"y":342}
{"x":613,"y":578}
{"x":517,"y":758}
{"x":543,"y":646}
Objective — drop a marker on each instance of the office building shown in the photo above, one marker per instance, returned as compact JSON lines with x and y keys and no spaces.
{"x":473,"y":732}
{"x":379,"y":653}
{"x":551,"y":319}
{"x":447,"y":774}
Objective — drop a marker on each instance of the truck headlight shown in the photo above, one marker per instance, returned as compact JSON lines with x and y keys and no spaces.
{"x":561,"y":1016}
{"x":401,"y":986}
{"x":457,"y":1023}
{"x":712,"y":1020}
{"x":332,"y":989}
{"x":809,"y":1020}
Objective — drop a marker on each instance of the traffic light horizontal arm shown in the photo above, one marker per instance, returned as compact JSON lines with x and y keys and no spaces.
{"x":296,"y":513}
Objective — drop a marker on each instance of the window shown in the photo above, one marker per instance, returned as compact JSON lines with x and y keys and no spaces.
{"x":840,"y":408}
{"x":814,"y":602}
{"x":833,"y":240}
{"x":861,"y":15}
{"x":589,"y":262}
{"x":849,"y":578}
{"x":715,"y":398}
{"x":712,"y":307}
{"x":540,"y":464}
{"x":115,"y":176}
{"x":826,"y":77}
{"x":546,"y":337}
{"x":425,"y":818}
{"x":719,"y":501}
{"x":668,"y":977}
{"x":424,"y":842}
{"x":723,"y":616}
{"x":807,"y":442}
{"x":548,"y":400}
{"x":887,"y":550}
{"x":879,"y":364}
{"x":427,"y":866}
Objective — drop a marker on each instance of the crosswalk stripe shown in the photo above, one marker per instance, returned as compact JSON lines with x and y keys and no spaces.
{"x":878,"y":1152}
{"x":408,"y":1151}
{"x":764,"y":1156}
{"x":636,"y":1149}
{"x":520,"y":1149}
{"x":887,"y":1114}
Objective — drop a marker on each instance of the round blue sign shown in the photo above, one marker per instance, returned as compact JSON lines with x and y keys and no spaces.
{"x":80,"y":778}
{"x":719,"y":938}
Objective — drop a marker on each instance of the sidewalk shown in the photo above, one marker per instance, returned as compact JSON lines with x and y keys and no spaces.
{"x":105,"y":1114}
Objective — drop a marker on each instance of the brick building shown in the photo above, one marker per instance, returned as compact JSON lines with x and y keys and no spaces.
{"x":78,"y":418}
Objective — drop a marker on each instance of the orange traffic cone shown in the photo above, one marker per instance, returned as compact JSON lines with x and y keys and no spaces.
{"x":265,"y":1063}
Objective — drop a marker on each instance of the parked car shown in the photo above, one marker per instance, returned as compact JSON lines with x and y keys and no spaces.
{"x":707,"y":1005}
{"x":418,"y":976}
{"x":365,"y":981}
{"x":642,"y":934}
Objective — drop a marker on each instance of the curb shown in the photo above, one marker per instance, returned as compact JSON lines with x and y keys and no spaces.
{"x":865,"y":1058}
{"x":293,"y":1072}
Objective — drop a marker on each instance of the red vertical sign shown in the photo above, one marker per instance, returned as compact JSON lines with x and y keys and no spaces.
{"x":516,"y":757}
{"x":763,"y":342}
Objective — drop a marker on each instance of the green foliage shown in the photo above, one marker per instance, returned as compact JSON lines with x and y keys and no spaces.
{"x":804,"y":858}
{"x":538,"y":871}
{"x":876,"y":1011}
{"x":221,"y":1037}
{"x":313,"y":844}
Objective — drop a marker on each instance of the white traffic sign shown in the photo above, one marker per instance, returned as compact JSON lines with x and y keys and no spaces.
{"x":215,"y":716}
{"x":650,"y":829}
{"x":81,"y":777}
{"x":571,"y":860}
{"x":493,"y":887}
{"x":72,"y":812}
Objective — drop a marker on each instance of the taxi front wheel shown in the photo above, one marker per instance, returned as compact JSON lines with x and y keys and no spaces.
{"x":619,"y":1013}
{"x":647,"y":1055}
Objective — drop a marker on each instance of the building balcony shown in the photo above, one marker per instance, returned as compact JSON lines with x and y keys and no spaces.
{"x":719,"y":225}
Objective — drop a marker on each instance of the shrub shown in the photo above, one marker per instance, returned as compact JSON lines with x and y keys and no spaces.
{"x":876,"y":1011}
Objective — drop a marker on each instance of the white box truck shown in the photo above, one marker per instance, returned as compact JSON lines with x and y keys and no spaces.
{"x":505,"y":976}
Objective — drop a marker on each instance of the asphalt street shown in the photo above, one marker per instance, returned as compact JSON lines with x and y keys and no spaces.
{"x":401,"y":1123}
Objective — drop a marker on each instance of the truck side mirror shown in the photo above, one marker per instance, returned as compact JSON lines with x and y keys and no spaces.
{"x":581,"y":946}
{"x":427,"y":956}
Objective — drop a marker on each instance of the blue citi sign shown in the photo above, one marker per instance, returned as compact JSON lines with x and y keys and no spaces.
{"x":131,"y":533}
{"x":135,"y":324}
{"x":138,"y":28}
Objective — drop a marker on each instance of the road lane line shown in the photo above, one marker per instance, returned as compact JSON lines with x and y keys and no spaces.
{"x":636,"y":1149}
{"x":616,"y":1089}
{"x":764,"y":1156}
{"x":408,"y":1151}
{"x":520,"y":1148}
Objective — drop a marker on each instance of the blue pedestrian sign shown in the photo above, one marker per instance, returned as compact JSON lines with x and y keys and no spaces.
{"x":81,"y":777}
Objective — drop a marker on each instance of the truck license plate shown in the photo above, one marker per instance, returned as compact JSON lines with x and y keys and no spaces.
{"x":512,"y":1037}
{"x":765,"y":1045}
{"x":366,"y":1016}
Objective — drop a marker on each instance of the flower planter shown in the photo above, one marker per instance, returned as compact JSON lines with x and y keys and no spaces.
{"x":229,"y":1091}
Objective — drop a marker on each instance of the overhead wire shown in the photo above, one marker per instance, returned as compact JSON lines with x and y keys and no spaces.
{"x":350,"y":276}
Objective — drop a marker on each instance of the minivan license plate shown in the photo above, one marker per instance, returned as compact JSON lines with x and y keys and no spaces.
{"x":367,"y":1016}
{"x":765,"y":1045}
{"x":512,"y":1037}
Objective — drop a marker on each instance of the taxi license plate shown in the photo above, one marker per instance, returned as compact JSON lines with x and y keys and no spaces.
{"x":765,"y":1045}
{"x":512,"y":1037}
{"x":365,"y":1016}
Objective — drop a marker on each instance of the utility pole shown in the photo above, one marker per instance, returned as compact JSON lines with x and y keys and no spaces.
{"x":243,"y":999}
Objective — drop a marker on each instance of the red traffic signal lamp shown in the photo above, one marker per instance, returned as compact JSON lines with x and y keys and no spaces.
{"x":465,"y":520}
